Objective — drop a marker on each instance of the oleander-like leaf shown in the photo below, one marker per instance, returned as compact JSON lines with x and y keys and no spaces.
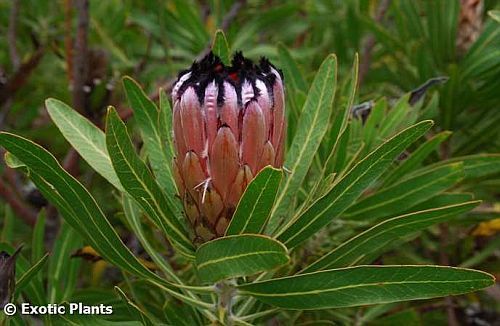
{"x":495,"y":14}
{"x":140,"y":184}
{"x":364,"y":285}
{"x":27,"y":276}
{"x":311,"y":129}
{"x":134,"y":310}
{"x":63,"y":269}
{"x":75,"y":203}
{"x":416,"y":158}
{"x":350,"y":187}
{"x":85,"y":137}
{"x":239,"y":255}
{"x":37,"y":239}
{"x":407,"y":193}
{"x":133,"y":217}
{"x":179,"y":314}
{"x":220,"y":47}
{"x":443,"y":199}
{"x":148,"y":119}
{"x":256,"y":203}
{"x":374,"y":240}
{"x":292,"y":72}
{"x":475,"y":166}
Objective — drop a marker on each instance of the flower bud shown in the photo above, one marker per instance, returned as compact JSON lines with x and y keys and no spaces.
{"x":228,"y":124}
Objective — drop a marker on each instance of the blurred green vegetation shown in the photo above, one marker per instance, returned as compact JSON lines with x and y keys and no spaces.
{"x":401,"y":44}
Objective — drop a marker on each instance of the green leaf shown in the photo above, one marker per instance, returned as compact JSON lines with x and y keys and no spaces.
{"x":165,"y":123}
{"x":475,"y":166}
{"x":291,"y":70}
{"x":339,"y":134}
{"x":374,"y":240}
{"x":256,"y":203}
{"x":75,"y":203}
{"x":373,"y":122}
{"x":220,"y":47}
{"x":8,"y":225}
{"x":37,"y":241}
{"x":27,"y":276}
{"x":364,"y":285}
{"x":178,"y":314}
{"x":148,"y":119}
{"x":395,"y":117}
{"x":134,"y":310}
{"x":416,"y":158}
{"x":87,"y":139}
{"x":311,"y":129}
{"x":444,"y":199}
{"x":133,"y":214}
{"x":495,"y":14}
{"x":238,"y":255}
{"x":407,"y":193}
{"x":61,"y":265}
{"x":140,"y":184}
{"x":350,"y":187}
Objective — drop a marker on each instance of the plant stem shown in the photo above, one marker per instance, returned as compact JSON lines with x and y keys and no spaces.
{"x":226,"y":291}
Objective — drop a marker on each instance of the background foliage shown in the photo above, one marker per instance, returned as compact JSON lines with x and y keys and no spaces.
{"x":78,"y":54}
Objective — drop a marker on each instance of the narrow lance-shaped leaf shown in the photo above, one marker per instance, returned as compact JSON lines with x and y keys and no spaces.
{"x":85,"y":137}
{"x":165,"y":124}
{"x":475,"y":166}
{"x":30,"y":274}
{"x":364,"y":285}
{"x":148,"y":118}
{"x":255,"y":205}
{"x":350,"y":187}
{"x":381,"y":236}
{"x":340,"y":122}
{"x":292,"y":72}
{"x":238,"y":255}
{"x":444,"y":199}
{"x":132,"y":214}
{"x":416,"y":158}
{"x":140,"y":184}
{"x":311,"y":128}
{"x":134,"y":310}
{"x":60,"y":263}
{"x":407,"y":193}
{"x":220,"y":47}
{"x":74,"y":202}
{"x":37,"y":241}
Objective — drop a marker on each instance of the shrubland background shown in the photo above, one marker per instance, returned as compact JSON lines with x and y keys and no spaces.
{"x":78,"y":51}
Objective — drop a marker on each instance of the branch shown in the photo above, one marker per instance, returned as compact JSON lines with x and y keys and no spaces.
{"x":20,"y":76}
{"x":26,"y":213}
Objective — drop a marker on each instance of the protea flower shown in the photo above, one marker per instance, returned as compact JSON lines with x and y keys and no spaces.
{"x":229,"y":123}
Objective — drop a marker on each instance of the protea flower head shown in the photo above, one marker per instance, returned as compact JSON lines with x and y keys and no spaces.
{"x":229,"y":123}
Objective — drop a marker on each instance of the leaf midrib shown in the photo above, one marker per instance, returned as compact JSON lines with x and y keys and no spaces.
{"x":384,"y":232}
{"x":320,"y":214}
{"x":284,"y":191}
{"x":63,"y":179}
{"x":290,"y":294}
{"x":164,"y":219}
{"x":387,"y":202}
{"x":223,"y":259}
